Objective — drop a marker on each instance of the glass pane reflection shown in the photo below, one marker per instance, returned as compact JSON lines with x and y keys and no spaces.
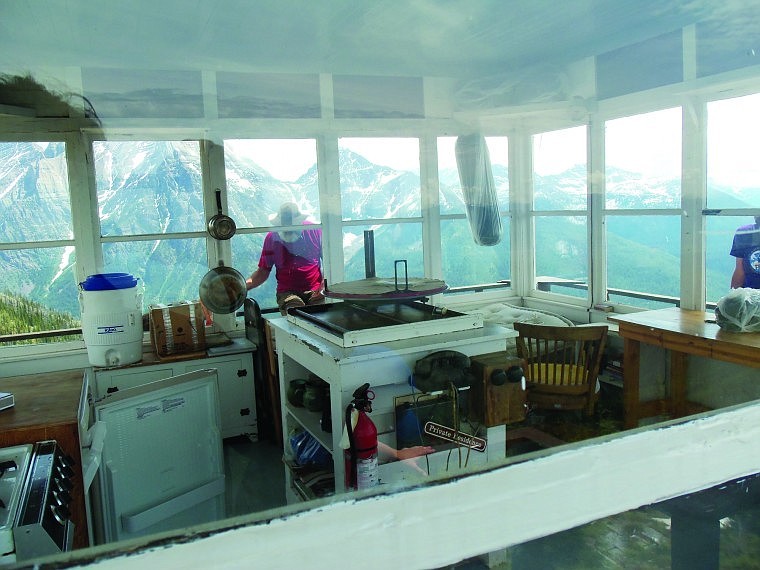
{"x":718,"y":527}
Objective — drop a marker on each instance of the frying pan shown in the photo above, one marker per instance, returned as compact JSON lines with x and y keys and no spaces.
{"x":222,"y":290}
{"x":221,"y":226}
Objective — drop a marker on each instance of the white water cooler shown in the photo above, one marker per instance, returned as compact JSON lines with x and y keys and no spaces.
{"x":111,"y":305}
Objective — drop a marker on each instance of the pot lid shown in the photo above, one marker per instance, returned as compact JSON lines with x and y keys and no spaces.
{"x":379,"y":288}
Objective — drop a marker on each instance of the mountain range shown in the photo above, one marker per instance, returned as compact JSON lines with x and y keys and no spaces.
{"x":154,"y":188}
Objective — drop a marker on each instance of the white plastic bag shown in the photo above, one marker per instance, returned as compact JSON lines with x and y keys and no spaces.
{"x":739,"y":310}
{"x":478,"y":189}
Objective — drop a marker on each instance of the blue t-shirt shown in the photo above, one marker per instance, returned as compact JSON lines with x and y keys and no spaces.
{"x":747,"y":247}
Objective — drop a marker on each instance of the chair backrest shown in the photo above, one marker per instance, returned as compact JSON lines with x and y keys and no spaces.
{"x":567,"y":358}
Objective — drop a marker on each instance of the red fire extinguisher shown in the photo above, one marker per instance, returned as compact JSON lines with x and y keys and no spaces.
{"x":361,"y":455}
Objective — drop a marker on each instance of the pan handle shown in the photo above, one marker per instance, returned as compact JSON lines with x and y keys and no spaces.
{"x":219,"y":201}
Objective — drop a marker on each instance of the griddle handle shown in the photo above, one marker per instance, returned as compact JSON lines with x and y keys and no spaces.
{"x":395,"y":274}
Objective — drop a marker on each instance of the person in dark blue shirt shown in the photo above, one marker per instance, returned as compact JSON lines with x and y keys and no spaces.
{"x":746,"y":250}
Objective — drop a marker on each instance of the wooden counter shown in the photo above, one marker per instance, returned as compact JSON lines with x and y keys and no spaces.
{"x":47,"y":407}
{"x":683,"y":333}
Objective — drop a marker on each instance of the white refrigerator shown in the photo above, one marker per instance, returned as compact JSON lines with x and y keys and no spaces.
{"x":161,"y":466}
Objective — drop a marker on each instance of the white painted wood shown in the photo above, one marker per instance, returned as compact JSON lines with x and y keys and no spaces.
{"x":693,"y":199}
{"x":438,"y":524}
{"x":300,"y":352}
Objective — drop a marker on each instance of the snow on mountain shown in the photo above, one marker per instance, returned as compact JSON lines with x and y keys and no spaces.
{"x":164,"y":195}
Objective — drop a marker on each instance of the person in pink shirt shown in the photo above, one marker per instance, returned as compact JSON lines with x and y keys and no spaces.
{"x":296,"y":256}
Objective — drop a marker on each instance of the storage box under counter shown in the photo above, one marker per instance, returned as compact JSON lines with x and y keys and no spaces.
{"x":234,"y":365}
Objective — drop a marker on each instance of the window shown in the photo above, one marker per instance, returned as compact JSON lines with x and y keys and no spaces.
{"x":261,"y":175}
{"x":642,"y":208}
{"x":560,"y":212}
{"x":733,"y":136}
{"x":152,"y":221}
{"x":719,"y":264}
{"x":465,"y":263}
{"x":733,"y":179}
{"x":37,"y":253}
{"x":380,"y":190}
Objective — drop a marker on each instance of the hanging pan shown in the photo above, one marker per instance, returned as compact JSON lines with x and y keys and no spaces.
{"x":221,"y":226}
{"x":222,"y":290}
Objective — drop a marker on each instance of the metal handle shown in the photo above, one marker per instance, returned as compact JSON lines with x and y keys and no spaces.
{"x":219,"y":201}
{"x":395,"y":274}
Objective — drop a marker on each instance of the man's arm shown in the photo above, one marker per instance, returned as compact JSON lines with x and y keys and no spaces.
{"x":737,"y":279}
{"x":257,"y":278}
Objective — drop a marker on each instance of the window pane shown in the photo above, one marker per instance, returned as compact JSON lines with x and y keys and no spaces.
{"x":171,"y":270}
{"x":733,"y":136}
{"x":147,"y":187}
{"x":39,"y":290}
{"x":719,"y":264}
{"x":559,"y":170}
{"x":262,"y":174}
{"x":246,"y":251}
{"x":379,"y":178}
{"x":643,"y":260}
{"x":643,"y":161}
{"x":562,"y":255}
{"x":34,"y":192}
{"x":466,"y":263}
{"x":716,"y":524}
{"x":392,"y":242}
{"x":450,"y":196}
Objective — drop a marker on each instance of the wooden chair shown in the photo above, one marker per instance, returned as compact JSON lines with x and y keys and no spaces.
{"x":562,"y":365}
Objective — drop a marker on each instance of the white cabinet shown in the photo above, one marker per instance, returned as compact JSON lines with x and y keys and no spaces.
{"x":386,"y":366}
{"x":237,"y":400}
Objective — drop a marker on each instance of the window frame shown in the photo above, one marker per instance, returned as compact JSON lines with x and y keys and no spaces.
{"x":76,"y":163}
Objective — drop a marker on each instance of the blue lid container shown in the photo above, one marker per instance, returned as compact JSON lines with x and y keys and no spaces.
{"x":108,"y":282}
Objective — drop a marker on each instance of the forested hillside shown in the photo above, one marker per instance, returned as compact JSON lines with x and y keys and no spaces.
{"x":19,"y":315}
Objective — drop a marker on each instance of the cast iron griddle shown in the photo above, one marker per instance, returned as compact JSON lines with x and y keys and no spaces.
{"x":351,"y":316}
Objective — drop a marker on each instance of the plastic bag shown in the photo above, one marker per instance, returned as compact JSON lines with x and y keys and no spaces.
{"x":739,"y":310}
{"x":478,"y":189}
{"x":308,"y":451}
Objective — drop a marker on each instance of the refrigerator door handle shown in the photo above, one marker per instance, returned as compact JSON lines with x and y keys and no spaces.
{"x":92,"y":453}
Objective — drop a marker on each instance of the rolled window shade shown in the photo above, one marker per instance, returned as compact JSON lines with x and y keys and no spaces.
{"x":478,"y":190}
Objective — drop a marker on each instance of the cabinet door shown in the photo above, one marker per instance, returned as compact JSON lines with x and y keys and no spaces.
{"x":237,"y":401}
{"x":107,"y":381}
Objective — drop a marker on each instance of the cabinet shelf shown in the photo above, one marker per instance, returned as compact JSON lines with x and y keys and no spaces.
{"x":310,"y":482}
{"x":382,"y":365}
{"x":310,"y":421}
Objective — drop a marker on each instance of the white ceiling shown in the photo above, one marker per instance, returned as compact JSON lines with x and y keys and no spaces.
{"x":463,"y":39}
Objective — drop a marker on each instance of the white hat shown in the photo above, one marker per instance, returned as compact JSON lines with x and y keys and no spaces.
{"x":289,"y":215}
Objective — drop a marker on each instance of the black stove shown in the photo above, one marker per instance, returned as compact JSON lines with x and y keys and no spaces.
{"x":35,"y":498}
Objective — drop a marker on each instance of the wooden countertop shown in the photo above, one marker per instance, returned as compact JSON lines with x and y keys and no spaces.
{"x":42,"y":399}
{"x":47,"y":407}
{"x":692,"y":332}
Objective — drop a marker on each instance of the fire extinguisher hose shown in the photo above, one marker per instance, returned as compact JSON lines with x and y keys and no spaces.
{"x":352,"y":446}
